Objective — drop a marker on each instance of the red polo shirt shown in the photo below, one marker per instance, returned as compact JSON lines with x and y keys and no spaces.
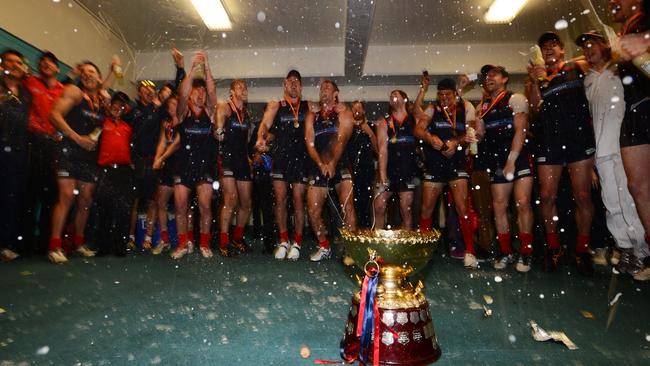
{"x":115,"y":143}
{"x":43,"y":99}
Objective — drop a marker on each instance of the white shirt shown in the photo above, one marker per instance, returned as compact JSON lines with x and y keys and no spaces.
{"x":605,"y":94}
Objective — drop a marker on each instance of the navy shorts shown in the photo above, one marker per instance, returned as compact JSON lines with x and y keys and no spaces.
{"x":439,"y":169}
{"x":290,"y":170}
{"x":564,"y":149}
{"x":80,"y":170}
{"x":635,"y":129}
{"x":316,"y":179}
{"x":236,"y":167}
{"x":495,"y":165}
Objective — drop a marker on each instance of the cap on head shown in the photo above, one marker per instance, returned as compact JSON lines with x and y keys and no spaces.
{"x":120,"y":97}
{"x":500,"y":69}
{"x":591,"y":35}
{"x":294,"y":73}
{"x":549,"y":36}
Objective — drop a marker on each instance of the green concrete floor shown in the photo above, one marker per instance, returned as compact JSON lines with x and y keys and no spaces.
{"x":254,"y":310}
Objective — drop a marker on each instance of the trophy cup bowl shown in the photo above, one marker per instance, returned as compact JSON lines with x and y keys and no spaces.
{"x":405,"y":323}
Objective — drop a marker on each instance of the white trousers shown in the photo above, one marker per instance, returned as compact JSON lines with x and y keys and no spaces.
{"x":622,"y":218}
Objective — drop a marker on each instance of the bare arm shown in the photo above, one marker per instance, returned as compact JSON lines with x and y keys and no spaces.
{"x":70,"y":97}
{"x":521,"y":126}
{"x":346,"y":126}
{"x":419,"y":100}
{"x":210,"y":85}
{"x":186,"y":86}
{"x":310,"y":139}
{"x":266,"y":123}
{"x":421,"y":132}
{"x":535,"y":72}
{"x":382,"y":144}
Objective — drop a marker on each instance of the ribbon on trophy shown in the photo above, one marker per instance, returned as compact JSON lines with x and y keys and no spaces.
{"x":368,"y":320}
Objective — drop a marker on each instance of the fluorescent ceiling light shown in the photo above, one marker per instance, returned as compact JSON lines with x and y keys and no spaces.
{"x":213,"y":13}
{"x":503,"y":11}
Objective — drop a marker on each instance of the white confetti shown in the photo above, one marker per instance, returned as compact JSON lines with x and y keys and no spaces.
{"x":498,"y":279}
{"x":215,"y":185}
{"x":512,"y":338}
{"x":337,"y":25}
{"x":261,"y":16}
{"x":541,"y":296}
{"x":561,"y":24}
{"x":555,"y":218}
{"x":627,"y":80}
{"x":280,"y":28}
{"x":43,"y":351}
{"x":75,"y":192}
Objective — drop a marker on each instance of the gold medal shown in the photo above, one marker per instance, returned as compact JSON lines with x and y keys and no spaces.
{"x":296,"y":124}
{"x":394,"y":139}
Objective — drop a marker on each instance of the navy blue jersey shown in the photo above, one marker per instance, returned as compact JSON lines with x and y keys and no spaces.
{"x":289,"y":132}
{"x":83,"y":119}
{"x":197,"y":142}
{"x":401,"y":147}
{"x":236,"y":133}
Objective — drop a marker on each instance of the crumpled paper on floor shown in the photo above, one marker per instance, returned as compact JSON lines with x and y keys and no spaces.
{"x":542,"y":335}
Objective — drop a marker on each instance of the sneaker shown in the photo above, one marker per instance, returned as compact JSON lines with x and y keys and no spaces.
{"x":523,"y":264}
{"x":320,"y":254}
{"x":280,"y":251}
{"x":190,"y":247}
{"x":502,"y":261}
{"x":470,"y":261}
{"x":85,"y":251}
{"x":625,"y":260}
{"x":206,"y":252}
{"x":457,"y":253}
{"x":180,"y":251}
{"x":146,"y":244}
{"x":644,"y":273}
{"x":584,"y":264}
{"x":227,"y":251}
{"x":600,"y":256}
{"x":57,"y":256}
{"x":294,"y":252}
{"x":130,"y":245}
{"x":240,"y":245}
{"x":552,"y":259}
{"x":162,"y":246}
{"x":8,"y":255}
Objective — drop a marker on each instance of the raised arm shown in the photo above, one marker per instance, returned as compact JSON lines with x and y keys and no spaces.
{"x":209,"y":83}
{"x":419,"y":100}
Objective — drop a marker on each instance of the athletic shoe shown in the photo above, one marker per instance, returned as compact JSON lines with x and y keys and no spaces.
{"x":146,"y":244}
{"x":206,"y":252}
{"x":180,"y":251}
{"x":457,"y":253}
{"x":162,"y":246}
{"x":57,"y":256}
{"x":523,"y":264}
{"x":552,"y":259}
{"x":644,"y":273}
{"x":280,"y":251}
{"x":320,"y":254}
{"x":130,"y":245}
{"x":240,"y":245}
{"x":190,"y":247}
{"x":470,"y":261}
{"x":625,"y":261}
{"x":294,"y":252}
{"x":227,"y":251}
{"x":635,"y":266}
{"x":600,"y":256}
{"x":584,"y":264}
{"x":85,"y":251}
{"x":503,"y":261}
{"x":8,"y":255}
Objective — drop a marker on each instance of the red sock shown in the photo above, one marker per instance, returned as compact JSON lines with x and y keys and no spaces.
{"x":284,"y":236}
{"x":223,"y":240}
{"x":468,"y":234}
{"x":647,"y":239}
{"x":504,"y":243}
{"x":204,"y":242}
{"x":525,"y":243}
{"x":55,"y":244}
{"x":164,"y":235}
{"x":582,"y":244}
{"x":78,"y":241}
{"x":553,"y":240}
{"x":325,"y":244}
{"x":238,"y":233}
{"x":425,"y":224}
{"x":297,"y":238}
{"x":182,"y":240}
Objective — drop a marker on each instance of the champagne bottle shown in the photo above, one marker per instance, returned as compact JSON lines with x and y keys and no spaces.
{"x":117,"y":68}
{"x":95,"y":134}
{"x":473,"y":146}
{"x":643,"y":63}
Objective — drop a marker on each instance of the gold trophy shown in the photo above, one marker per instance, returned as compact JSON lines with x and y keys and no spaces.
{"x":389,"y":322}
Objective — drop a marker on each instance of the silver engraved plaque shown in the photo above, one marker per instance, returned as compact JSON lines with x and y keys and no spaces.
{"x":402,"y":318}
{"x":387,"y":318}
{"x":387,"y":338}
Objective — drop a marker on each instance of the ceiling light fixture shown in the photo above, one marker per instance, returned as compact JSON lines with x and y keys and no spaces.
{"x":214,"y":14}
{"x":503,"y":11}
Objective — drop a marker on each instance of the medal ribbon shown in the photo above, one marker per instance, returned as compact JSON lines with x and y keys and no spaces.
{"x":492,"y":104}
{"x":369,"y":316}
{"x":392,"y":125}
{"x":631,"y":22}
{"x":452,"y":121}
{"x":240,"y":118}
{"x":295,"y":111}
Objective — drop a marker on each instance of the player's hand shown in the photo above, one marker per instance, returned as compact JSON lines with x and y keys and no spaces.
{"x":452,"y":146}
{"x":86,"y":143}
{"x":509,"y":170}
